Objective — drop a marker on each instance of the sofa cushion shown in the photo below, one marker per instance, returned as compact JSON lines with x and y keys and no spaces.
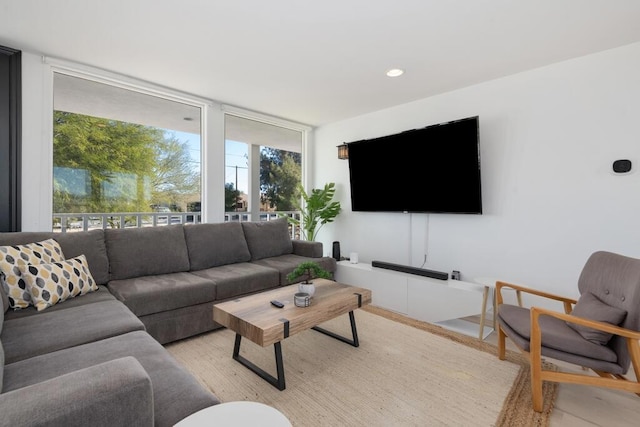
{"x":154,"y":294}
{"x":268,"y":238}
{"x":174,"y":325}
{"x":1,"y":348}
{"x":102,"y":294}
{"x":52,"y":283}
{"x":1,"y":366}
{"x":307,"y":248}
{"x":590,"y":307}
{"x":90,"y":244}
{"x":239,"y":279}
{"x":114,"y":393}
{"x":285,"y":264}
{"x":1,"y":319}
{"x":50,"y":331}
{"x":211,"y":245}
{"x":11,"y":257}
{"x":23,"y":237}
{"x":176,"y":393}
{"x":137,"y":252}
{"x":3,"y":295}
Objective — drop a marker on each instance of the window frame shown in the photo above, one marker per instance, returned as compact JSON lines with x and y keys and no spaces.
{"x":103,"y":77}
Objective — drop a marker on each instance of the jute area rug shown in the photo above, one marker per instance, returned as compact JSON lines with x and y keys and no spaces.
{"x":405,"y":373}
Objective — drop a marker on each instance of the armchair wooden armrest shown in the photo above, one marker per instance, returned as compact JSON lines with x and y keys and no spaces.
{"x":567,"y":302}
{"x":536,"y":312}
{"x":606,"y":380}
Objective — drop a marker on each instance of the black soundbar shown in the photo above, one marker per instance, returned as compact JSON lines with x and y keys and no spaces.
{"x":411,"y":270}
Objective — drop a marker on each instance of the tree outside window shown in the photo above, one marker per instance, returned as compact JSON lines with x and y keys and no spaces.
{"x":104,"y":166}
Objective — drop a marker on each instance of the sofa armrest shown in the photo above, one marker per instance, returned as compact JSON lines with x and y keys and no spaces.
{"x":307,"y":249}
{"x":117,"y":392}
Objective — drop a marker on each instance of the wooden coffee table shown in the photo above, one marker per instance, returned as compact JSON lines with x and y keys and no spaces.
{"x":253,"y":317}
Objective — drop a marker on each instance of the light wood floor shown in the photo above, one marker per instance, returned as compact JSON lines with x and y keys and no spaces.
{"x":582,"y":406}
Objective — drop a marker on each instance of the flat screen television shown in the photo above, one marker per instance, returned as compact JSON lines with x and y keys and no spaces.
{"x":435,"y":169}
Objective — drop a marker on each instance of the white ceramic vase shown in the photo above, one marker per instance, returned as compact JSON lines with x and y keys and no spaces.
{"x":309,"y":288}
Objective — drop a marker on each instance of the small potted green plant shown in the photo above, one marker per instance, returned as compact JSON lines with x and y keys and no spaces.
{"x":308,"y":270}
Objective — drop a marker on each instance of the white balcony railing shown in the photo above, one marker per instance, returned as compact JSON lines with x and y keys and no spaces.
{"x":70,"y":222}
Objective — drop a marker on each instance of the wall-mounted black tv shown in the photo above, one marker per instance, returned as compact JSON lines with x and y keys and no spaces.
{"x":435,"y":169}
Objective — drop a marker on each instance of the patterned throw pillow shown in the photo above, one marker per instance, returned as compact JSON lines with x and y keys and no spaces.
{"x":12,"y":257}
{"x":52,"y":283}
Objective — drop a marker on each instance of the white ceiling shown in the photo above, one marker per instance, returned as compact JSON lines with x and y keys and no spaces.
{"x":316,"y":62}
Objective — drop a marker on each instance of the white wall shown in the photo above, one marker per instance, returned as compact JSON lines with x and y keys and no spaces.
{"x":548,"y":138}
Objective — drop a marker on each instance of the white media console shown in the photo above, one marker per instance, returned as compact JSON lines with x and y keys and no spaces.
{"x":442,"y":302}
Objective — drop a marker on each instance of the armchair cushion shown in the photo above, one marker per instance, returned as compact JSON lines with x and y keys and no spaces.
{"x":590,"y":307}
{"x":556,"y":334}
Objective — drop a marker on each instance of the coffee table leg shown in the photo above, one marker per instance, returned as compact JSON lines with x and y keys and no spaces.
{"x":354,"y":332}
{"x":276,"y":382}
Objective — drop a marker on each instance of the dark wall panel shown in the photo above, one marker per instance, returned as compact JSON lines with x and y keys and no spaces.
{"x":10,"y":139}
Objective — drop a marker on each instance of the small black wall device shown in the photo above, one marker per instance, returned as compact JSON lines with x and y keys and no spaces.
{"x":622,"y":166}
{"x":336,"y":251}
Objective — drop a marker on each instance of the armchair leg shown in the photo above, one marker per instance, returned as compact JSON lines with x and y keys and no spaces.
{"x":501,"y":343}
{"x":536,"y":384}
{"x":535,"y":360}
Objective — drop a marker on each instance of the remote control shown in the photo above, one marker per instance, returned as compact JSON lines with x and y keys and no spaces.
{"x":277,"y":304}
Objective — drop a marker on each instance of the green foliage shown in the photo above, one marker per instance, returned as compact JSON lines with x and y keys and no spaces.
{"x":318,"y":210}
{"x":174,"y":179}
{"x":280,"y":174}
{"x":105,"y":165}
{"x":231,"y":196}
{"x":309,"y":270}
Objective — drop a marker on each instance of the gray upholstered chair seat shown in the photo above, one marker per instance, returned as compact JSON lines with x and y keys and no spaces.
{"x":601,"y":330}
{"x":154,"y":294}
{"x":556,"y":334}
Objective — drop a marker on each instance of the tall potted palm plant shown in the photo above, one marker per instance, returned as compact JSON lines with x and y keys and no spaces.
{"x":317,"y":210}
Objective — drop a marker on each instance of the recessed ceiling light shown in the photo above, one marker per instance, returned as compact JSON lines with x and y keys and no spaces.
{"x":395,"y":72}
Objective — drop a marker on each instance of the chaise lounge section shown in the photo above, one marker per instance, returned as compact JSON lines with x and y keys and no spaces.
{"x":97,"y":358}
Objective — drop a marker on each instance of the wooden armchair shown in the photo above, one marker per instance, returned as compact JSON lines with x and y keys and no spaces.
{"x":600,"y":331}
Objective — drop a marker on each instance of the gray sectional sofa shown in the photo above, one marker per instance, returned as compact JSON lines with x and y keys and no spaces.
{"x":97,"y":359}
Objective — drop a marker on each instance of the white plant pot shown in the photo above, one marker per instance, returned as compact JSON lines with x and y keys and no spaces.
{"x":309,"y":288}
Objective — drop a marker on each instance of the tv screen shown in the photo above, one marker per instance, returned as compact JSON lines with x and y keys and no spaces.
{"x":435,"y":169}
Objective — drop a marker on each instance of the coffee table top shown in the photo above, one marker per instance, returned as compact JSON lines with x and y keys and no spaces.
{"x":255,"y":318}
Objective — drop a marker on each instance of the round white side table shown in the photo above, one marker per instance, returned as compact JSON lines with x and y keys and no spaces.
{"x":236,"y":414}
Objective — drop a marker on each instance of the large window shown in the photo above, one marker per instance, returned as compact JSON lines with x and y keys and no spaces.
{"x":263,"y":168}
{"x":122,"y":157}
